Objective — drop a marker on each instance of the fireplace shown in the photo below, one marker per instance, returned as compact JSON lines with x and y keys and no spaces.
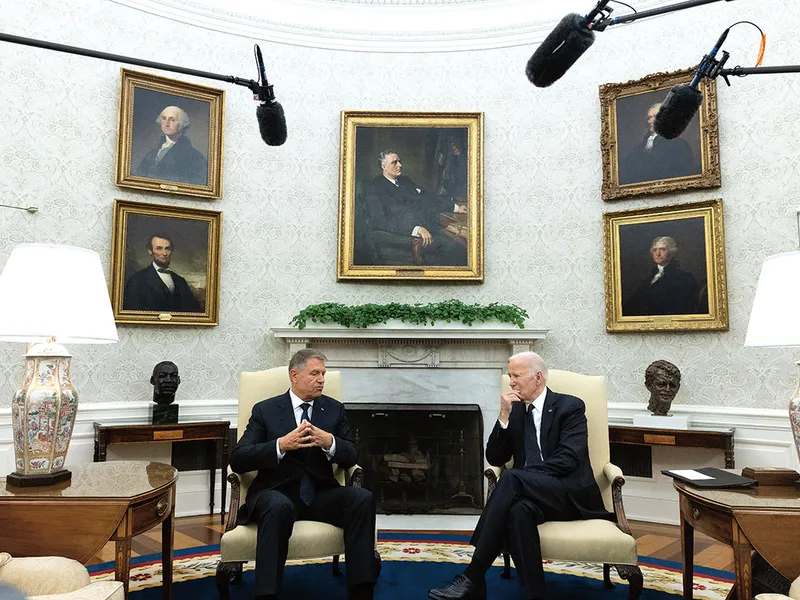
{"x":421,"y":458}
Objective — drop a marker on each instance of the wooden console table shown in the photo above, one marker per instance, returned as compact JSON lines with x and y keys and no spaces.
{"x":721,"y":439}
{"x":102,"y":502}
{"x":765,"y":519}
{"x":106,"y":435}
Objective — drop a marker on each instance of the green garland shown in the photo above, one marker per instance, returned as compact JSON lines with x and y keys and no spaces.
{"x":365,"y":315}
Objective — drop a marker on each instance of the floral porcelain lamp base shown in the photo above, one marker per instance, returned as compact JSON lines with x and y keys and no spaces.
{"x":43,"y":415}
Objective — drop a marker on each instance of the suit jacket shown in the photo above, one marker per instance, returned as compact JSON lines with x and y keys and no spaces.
{"x":145,"y":290}
{"x":399,"y":209}
{"x":564,"y":443}
{"x":274,"y":418}
{"x":666,"y":159}
{"x":181,"y":163}
{"x":674,"y":293}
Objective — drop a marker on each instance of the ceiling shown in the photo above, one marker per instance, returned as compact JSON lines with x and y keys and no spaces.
{"x":380,"y":25}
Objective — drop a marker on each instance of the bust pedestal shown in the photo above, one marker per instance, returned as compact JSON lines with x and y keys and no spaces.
{"x":164,"y":414}
{"x":669,"y":421}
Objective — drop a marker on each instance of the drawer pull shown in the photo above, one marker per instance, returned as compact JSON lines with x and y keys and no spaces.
{"x":695,"y":514}
{"x":161,"y":507}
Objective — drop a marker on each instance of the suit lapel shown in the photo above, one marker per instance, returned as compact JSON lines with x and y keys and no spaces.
{"x":286,"y":413}
{"x":319,"y":416}
{"x":547,"y":420}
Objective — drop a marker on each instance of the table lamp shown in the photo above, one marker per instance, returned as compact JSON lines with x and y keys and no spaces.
{"x":775,"y":318}
{"x":50,"y":295}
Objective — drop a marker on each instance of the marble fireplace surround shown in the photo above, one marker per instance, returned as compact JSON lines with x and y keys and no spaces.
{"x":400,"y":363}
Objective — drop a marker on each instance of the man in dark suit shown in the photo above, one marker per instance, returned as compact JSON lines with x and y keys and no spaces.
{"x":291,"y":441}
{"x":667,"y":289}
{"x":547,"y":436}
{"x":656,"y":157}
{"x":174,"y":158}
{"x":398,"y":208}
{"x":157,"y":287}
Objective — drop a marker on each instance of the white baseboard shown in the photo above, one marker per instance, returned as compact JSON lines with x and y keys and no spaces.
{"x":762,"y":438}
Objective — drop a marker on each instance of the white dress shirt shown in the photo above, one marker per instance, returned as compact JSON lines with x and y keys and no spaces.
{"x":538,"y":405}
{"x":297,"y":406}
{"x":658,"y":275}
{"x":165,"y":277}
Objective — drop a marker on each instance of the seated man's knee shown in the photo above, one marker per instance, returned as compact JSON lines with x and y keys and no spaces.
{"x":362,"y":496}
{"x":277,"y":506}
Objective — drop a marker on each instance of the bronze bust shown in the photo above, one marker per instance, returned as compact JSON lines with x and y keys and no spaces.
{"x":663,"y":380}
{"x":165,"y":380}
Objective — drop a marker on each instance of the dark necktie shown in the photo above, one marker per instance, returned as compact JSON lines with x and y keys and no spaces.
{"x":307,"y":491}
{"x":162,"y":270}
{"x":533,"y":455}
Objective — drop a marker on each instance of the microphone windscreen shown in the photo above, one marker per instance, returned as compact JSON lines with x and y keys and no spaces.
{"x":559,"y":50}
{"x":271,"y":123}
{"x":677,"y":111}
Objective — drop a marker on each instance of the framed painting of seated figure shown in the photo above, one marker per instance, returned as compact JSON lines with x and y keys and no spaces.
{"x":411,"y":196}
{"x":636,"y":159}
{"x":665,"y":268}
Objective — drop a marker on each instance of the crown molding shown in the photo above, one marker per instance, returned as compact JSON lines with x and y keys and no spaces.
{"x":378,"y":25}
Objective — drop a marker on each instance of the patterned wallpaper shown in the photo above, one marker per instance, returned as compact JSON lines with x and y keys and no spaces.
{"x":543,"y":212}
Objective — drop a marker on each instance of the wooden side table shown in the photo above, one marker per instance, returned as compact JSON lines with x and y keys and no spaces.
{"x":765,"y":519}
{"x":102,"y":502}
{"x":106,"y":435}
{"x":721,"y":439}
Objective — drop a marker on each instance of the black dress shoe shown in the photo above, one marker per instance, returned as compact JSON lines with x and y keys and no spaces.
{"x":461,"y":588}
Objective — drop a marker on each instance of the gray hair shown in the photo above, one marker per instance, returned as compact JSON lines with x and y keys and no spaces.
{"x":658,"y":104}
{"x":670,"y":242}
{"x":302,"y":356}
{"x":382,"y":156}
{"x":183,"y":118}
{"x":535,"y":362}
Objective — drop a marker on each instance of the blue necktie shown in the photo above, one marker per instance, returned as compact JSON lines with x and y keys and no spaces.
{"x":533,"y":455}
{"x":306,"y":484}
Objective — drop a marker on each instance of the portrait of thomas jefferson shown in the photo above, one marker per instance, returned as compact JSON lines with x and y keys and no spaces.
{"x":643,"y":155}
{"x":170,"y":137}
{"x":663,"y":268}
{"x":165,"y":264}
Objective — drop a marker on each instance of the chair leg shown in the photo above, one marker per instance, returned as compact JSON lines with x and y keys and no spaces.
{"x":337,"y":572}
{"x":506,"y":574}
{"x":633,"y":575}
{"x":607,"y":576}
{"x":227,"y":572}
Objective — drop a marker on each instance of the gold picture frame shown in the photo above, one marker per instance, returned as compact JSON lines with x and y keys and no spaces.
{"x":680,"y":285}
{"x":634,"y":163}
{"x":426,"y":221}
{"x":147,"y":158}
{"x":184,"y":244}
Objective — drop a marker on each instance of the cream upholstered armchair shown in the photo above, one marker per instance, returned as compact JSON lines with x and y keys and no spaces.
{"x":794,"y":593}
{"x":593,"y":540}
{"x":310,"y":539}
{"x":54,"y":578}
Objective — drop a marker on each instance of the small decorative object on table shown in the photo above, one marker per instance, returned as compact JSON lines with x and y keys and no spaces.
{"x":165,"y":380}
{"x":663,"y":380}
{"x":772,"y":475}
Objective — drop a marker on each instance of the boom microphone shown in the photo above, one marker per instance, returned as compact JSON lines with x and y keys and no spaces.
{"x":269,"y":114}
{"x":559,"y":50}
{"x":682,"y":102}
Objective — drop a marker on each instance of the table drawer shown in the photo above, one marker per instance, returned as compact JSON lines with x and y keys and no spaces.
{"x":714,"y":524}
{"x":150,"y":513}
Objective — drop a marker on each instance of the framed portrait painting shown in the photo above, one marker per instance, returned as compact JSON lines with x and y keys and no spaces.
{"x":665,"y":268}
{"x":165,"y":264}
{"x":169,"y":136}
{"x":410,"y":196}
{"x":638,"y":161}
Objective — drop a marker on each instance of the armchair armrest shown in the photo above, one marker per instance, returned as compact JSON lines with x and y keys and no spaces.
{"x":355,"y":476}
{"x":233,"y":508}
{"x":492,"y":474}
{"x":614,"y":475}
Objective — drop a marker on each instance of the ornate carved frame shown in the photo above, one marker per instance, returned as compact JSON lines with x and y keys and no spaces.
{"x":710,"y":176}
{"x":717,"y":317}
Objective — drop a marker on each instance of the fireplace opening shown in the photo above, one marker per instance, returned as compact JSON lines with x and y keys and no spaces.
{"x":420,"y":458}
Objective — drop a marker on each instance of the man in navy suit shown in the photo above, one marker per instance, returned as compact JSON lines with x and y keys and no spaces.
{"x":291,"y":440}
{"x":157,"y":287}
{"x":547,"y":436}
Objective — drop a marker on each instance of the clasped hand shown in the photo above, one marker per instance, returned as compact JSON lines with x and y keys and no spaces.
{"x":306,"y":435}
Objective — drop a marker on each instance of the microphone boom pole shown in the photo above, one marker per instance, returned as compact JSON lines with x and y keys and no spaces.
{"x":603,"y":23}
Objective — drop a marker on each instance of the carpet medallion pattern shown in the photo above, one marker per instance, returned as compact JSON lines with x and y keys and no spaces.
{"x":441,"y":556}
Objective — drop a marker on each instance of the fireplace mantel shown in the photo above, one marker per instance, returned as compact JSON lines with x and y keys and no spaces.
{"x":452,"y":345}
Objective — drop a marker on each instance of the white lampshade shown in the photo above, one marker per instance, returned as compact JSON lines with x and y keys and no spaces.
{"x":52,"y":290}
{"x":775,"y":318}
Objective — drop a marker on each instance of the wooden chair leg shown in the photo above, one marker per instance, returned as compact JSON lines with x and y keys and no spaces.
{"x":506,"y":574}
{"x":607,"y":576}
{"x":337,"y":572}
{"x":227,"y":572}
{"x":633,"y":575}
